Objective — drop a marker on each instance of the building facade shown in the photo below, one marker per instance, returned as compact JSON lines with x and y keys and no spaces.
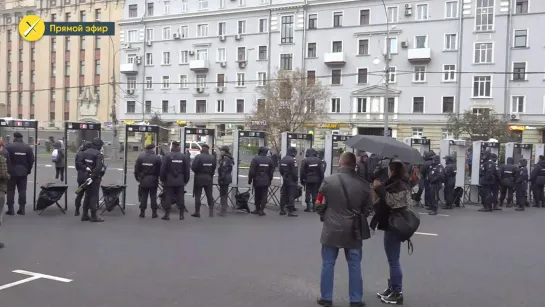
{"x":58,"y":78}
{"x":200,"y":61}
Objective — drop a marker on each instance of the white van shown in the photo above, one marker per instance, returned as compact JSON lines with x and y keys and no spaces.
{"x":194,"y":148}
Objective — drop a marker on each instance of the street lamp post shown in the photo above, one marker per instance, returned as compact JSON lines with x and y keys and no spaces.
{"x":386,"y":71}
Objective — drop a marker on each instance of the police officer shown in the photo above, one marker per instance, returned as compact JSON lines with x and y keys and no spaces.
{"x":496,"y":186}
{"x":508,"y":173}
{"x":288,"y":171}
{"x":147,"y":170}
{"x":361,"y":166}
{"x":225,"y":177}
{"x":94,"y":162}
{"x":450,"y":182}
{"x":311,"y":175}
{"x":261,"y":175}
{"x":436,"y":178}
{"x":21,"y":159}
{"x":537,"y":179}
{"x":521,"y":185}
{"x":428,"y":195}
{"x":174,"y":174}
{"x":83,"y":174}
{"x":204,"y":167}
{"x":487,"y":178}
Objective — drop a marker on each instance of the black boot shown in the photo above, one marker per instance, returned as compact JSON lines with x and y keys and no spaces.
{"x":85,"y":216}
{"x":395,"y":298}
{"x":10,"y":211}
{"x":95,"y":218}
{"x":256,"y":211}
{"x":282,"y":211}
{"x":324,"y":303}
{"x":197,"y":211}
{"x":21,"y":210}
{"x":509,"y":204}
{"x":142,"y":213}
{"x":292,"y":213}
{"x":211,"y":211}
{"x":182,"y":217}
{"x":196,"y":214}
{"x":386,"y":292}
{"x":308,"y":209}
{"x":433,"y":212}
{"x":313,"y":208}
{"x":166,"y":217}
{"x":154,"y":214}
{"x":77,"y":212}
{"x":496,"y":207}
{"x":223,"y":211}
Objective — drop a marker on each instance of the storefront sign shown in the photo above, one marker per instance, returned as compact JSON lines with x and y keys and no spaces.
{"x":328,"y":125}
{"x":517,"y":128}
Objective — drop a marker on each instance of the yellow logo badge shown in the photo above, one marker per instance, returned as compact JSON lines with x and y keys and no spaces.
{"x":31,"y":28}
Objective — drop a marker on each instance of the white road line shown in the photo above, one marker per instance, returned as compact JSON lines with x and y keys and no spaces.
{"x":20,"y":282}
{"x":426,"y":234}
{"x":425,"y":213}
{"x":131,"y":204}
{"x":33,"y":276}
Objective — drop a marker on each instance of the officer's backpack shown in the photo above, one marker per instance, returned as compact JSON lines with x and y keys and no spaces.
{"x":55,"y":155}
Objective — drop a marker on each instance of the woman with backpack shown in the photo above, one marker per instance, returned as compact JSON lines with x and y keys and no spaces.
{"x":58,"y":158}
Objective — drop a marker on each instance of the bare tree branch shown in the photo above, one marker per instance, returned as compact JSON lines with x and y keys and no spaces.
{"x":479,"y":126}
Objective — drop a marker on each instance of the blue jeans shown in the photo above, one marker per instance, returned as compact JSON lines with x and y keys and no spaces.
{"x":355,"y":281}
{"x":392,"y":247}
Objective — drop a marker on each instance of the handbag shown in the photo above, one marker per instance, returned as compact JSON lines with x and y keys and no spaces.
{"x":404,"y":222}
{"x":360,"y":226}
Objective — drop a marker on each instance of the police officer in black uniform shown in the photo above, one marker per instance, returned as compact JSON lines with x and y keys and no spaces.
{"x":521,"y":185}
{"x":94,"y":162}
{"x":426,"y":169}
{"x":450,"y":182}
{"x":174,"y":174}
{"x":508,"y":173}
{"x":290,"y":178}
{"x":362,"y":167}
{"x":204,"y":167}
{"x":487,"y":178}
{"x":83,"y":174}
{"x":311,"y":175}
{"x":147,"y":170}
{"x":436,"y":178}
{"x":21,"y":158}
{"x":225,"y":177}
{"x":261,"y":175}
{"x":496,"y":186}
{"x":537,"y":179}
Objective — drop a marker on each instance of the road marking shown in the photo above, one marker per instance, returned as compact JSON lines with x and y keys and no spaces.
{"x":426,"y":234}
{"x":34,"y":276}
{"x":425,"y":213}
{"x":131,"y":204}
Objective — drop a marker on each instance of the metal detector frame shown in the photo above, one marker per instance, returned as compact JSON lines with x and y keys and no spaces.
{"x":309,"y":137}
{"x":237,"y":134}
{"x":423,"y":141}
{"x":521,"y":146}
{"x":135,"y":128}
{"x":26,"y":124}
{"x":75,"y":126}
{"x":330,"y":140}
{"x":185,"y":131}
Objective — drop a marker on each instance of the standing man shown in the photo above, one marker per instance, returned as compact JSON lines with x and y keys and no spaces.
{"x":21,"y":159}
{"x":426,"y":170}
{"x":261,"y":175}
{"x":496,"y":185}
{"x":450,"y":182}
{"x":508,"y":173}
{"x":58,"y":159}
{"x":147,"y":170}
{"x":361,"y":167}
{"x":537,"y":180}
{"x":225,"y":177}
{"x":94,"y":164}
{"x":521,"y":185}
{"x":175,"y":173}
{"x":4,"y":178}
{"x":487,"y":178}
{"x":311,"y":175}
{"x":436,"y":178}
{"x":204,"y":167}
{"x":290,"y":178}
{"x":83,"y":173}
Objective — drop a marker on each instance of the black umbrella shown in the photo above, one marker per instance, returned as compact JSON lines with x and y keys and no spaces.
{"x":385,"y":147}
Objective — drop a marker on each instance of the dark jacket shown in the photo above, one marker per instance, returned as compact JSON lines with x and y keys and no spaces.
{"x":538,"y":174}
{"x":436,"y":174}
{"x":428,"y":161}
{"x":58,"y":145}
{"x":450,"y":172}
{"x":337,"y":218}
{"x":21,"y":158}
{"x":80,"y":163}
{"x":175,"y":169}
{"x":204,"y":167}
{"x":311,"y":168}
{"x":522,"y":175}
{"x":362,"y":168}
{"x":289,"y":168}
{"x":394,"y":194}
{"x":225,"y":169}
{"x":261,"y":169}
{"x":488,"y":172}
{"x":94,"y":160}
{"x":508,"y":173}
{"x":147,"y":169}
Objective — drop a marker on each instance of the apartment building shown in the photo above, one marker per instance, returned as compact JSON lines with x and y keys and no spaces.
{"x":57,"y":78}
{"x":201,"y":60}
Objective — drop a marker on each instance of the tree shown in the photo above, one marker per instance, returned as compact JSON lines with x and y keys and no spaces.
{"x":479,"y":126}
{"x":287,"y":101}
{"x":164,"y":128}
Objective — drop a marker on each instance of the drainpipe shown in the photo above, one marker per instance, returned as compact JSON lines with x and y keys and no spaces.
{"x":303,"y":62}
{"x":459,"y":58}
{"x":143,"y":61}
{"x":269,"y":43}
{"x":508,"y":39}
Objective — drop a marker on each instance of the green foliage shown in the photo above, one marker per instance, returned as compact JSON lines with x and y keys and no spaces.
{"x":480,"y":126}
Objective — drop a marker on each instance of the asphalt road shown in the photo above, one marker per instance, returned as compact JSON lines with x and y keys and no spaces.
{"x":462,"y":258}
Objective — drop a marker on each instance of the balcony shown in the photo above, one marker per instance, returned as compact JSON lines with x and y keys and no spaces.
{"x":128,"y":69}
{"x":419,"y":55}
{"x":199,"y":65}
{"x":334,"y":58}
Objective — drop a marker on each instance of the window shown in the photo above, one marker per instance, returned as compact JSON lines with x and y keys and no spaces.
{"x":484,"y":15}
{"x":393,"y":45}
{"x":184,"y":5}
{"x":393,"y":14}
{"x":131,"y":107}
{"x":286,"y":33}
{"x":311,"y":77}
{"x":98,"y":14}
{"x":241,"y":2}
{"x":517,"y":104}
{"x":220,"y":106}
{"x":97,"y":67}
{"x":391,"y":105}
{"x":98,"y":42}
{"x":220,"y":80}
{"x":81,"y":43}
{"x":451,"y":9}
{"x":66,"y":96}
{"x":240,"y":79}
{"x":263,"y":25}
{"x":262,"y":55}
{"x":240,"y":105}
{"x":222,"y":28}
{"x":150,"y":10}
{"x":311,"y":50}
{"x":165,"y":59}
{"x":201,"y":106}
{"x":147,"y":107}
{"x":166,"y":33}
{"x":419,"y":74}
{"x":519,"y":71}
{"x":184,"y":31}
{"x":362,"y":76}
{"x":131,"y":83}
{"x":337,"y":46}
{"x":451,"y":42}
{"x":221,"y":55}
{"x":241,"y":28}
{"x":312,"y":21}
{"x":202,"y":30}
{"x":337,"y":19}
{"x":66,"y":47}
{"x":448,"y":104}
{"x":183,"y":106}
{"x":166,"y":7}
{"x":483,"y":53}
{"x":449,"y":73}
{"x":164,"y":106}
{"x":481,"y":111}
{"x":336,"y":76}
{"x":482,"y":86}
{"x":261,"y":78}
{"x":82,"y":68}
{"x":202,"y":54}
{"x":521,"y":39}
{"x":184,"y":57}
{"x":201,"y":81}
{"x":363,"y":47}
{"x":183,"y":81}
{"x":361,"y":105}
{"x":364,"y":17}
{"x":149,"y":59}
{"x":521,"y":7}
{"x":149,"y":83}
{"x":418,"y":132}
{"x":418,"y":104}
{"x":66,"y":70}
{"x":166,"y":82}
{"x":421,"y":12}
{"x":286,"y":61}
{"x":241,"y":54}
{"x":133,"y":10}
{"x":131,"y":58}
{"x":335,"y":105}
{"x":222,"y":4}
{"x":203,"y":5}
{"x":421,"y":41}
